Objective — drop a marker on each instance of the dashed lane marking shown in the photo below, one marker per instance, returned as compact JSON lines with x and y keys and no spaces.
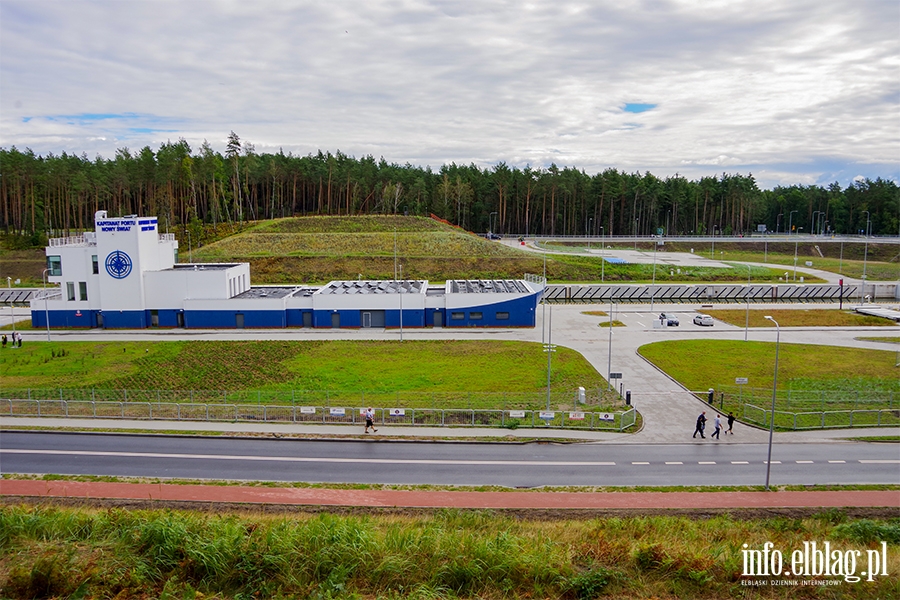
{"x":640,"y":463}
{"x":740,"y":462}
{"x":804,"y":462}
{"x":878,"y":461}
{"x":706,"y":462}
{"x":675,"y":462}
{"x":837,"y":462}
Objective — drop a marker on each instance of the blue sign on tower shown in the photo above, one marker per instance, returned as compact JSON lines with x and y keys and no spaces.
{"x":118,"y":264}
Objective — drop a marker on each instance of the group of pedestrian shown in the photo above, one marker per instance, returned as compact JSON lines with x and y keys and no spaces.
{"x":16,"y":340}
{"x":717,"y":423}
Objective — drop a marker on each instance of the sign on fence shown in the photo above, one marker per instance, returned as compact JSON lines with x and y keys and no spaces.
{"x":517,"y":414}
{"x":397,"y":412}
{"x":576,"y":416}
{"x":337,"y":412}
{"x":549,"y":416}
{"x":607,"y":417}
{"x":307,"y":410}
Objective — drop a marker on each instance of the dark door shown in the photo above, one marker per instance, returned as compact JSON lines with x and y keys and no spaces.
{"x":335,"y":320}
{"x":239,"y":321}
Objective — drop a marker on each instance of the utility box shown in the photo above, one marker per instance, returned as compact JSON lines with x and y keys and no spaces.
{"x":581,"y":397}
{"x":627,"y":397}
{"x":712,"y":396}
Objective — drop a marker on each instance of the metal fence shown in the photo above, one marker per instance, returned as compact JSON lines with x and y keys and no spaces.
{"x":596,"y":400}
{"x":808,"y":400}
{"x":829,"y":419}
{"x":331,"y":415}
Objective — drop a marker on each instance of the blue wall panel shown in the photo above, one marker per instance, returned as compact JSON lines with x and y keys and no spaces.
{"x":521,"y":314}
{"x":65,"y":318}
{"x":124,"y":319}
{"x":294,"y":316}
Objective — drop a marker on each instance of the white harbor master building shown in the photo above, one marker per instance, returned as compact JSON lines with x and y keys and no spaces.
{"x":125,"y":275}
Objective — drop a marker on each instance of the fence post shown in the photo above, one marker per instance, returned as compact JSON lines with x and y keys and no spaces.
{"x":124,"y":396}
{"x":823,"y":420}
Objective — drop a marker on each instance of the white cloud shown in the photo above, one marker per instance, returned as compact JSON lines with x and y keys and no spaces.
{"x":807,"y":89}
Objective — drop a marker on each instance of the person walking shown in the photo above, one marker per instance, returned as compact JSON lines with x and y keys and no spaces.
{"x":370,"y":419}
{"x":730,"y":423}
{"x":718,"y":425}
{"x":701,"y":425}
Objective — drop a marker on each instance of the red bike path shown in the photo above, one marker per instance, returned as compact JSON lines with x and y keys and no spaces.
{"x":445,"y":499}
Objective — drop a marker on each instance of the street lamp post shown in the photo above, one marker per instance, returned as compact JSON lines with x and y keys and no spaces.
{"x":491,"y":221}
{"x":12,"y":314}
{"x":862,"y":287}
{"x":46,"y":309}
{"x":795,"y":258}
{"x":549,"y":350}
{"x":791,"y":221}
{"x":815,"y":220}
{"x":774,"y":389}
{"x":400,"y":291}
{"x":635,"y":234}
{"x":653,"y":282}
{"x":590,"y":231}
{"x":777,"y":222}
{"x":747,"y":296}
{"x":609,"y":350}
{"x":602,"y":260}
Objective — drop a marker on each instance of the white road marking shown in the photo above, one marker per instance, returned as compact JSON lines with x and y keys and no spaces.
{"x":875,"y":461}
{"x":834,"y":462}
{"x":302,"y":459}
{"x":675,"y":463}
{"x":706,"y":463}
{"x":804,"y":462}
{"x":640,"y":463}
{"x":740,"y":462}
{"x":774,"y":462}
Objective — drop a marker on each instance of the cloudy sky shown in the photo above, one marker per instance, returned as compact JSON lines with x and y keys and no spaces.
{"x":792,"y":91}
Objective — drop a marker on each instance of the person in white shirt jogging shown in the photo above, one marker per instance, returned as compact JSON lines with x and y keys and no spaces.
{"x":370,"y":420}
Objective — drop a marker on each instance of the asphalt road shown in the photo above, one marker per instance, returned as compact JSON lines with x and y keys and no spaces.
{"x":512,"y":465}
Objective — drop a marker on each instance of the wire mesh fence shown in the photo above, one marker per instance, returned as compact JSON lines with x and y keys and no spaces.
{"x":830,"y":419}
{"x":346,"y":414}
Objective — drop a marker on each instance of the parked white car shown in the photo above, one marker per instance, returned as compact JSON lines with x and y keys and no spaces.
{"x":703,"y":320}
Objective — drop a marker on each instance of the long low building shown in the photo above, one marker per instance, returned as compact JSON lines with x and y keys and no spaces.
{"x":125,"y":274}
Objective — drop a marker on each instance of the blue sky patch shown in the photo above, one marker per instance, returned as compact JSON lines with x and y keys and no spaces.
{"x":638,"y":108}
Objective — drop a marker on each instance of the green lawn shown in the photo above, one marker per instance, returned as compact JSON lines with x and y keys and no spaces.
{"x":471,"y":374}
{"x":810,"y":377}
{"x":797,"y":317}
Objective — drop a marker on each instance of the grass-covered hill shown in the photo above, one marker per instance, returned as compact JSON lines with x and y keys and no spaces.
{"x":322,"y":248}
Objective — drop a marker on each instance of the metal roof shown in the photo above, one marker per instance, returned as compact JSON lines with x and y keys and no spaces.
{"x":487,"y":286}
{"x":409,"y":286}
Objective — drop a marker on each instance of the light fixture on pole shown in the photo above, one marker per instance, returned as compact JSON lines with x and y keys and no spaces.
{"x":46,"y":309}
{"x":491,"y":222}
{"x":609,"y":350}
{"x":653,"y":282}
{"x":815,"y":220}
{"x":400,"y":292}
{"x":635,"y":234}
{"x":549,"y":349}
{"x":774,"y":390}
{"x":602,"y":260}
{"x":778,"y":222}
{"x":12,"y":314}
{"x":589,"y":232}
{"x":791,"y":222}
{"x":862,"y":287}
{"x":747,"y":295}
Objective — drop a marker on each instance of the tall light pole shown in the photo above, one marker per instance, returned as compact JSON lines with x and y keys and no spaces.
{"x":635,"y":234}
{"x":400,"y":291}
{"x":668,"y":212}
{"x":590,"y":231}
{"x":609,"y":350}
{"x":777,"y":222}
{"x":602,"y":260}
{"x":491,"y":221}
{"x":795,"y":258}
{"x":774,"y":390}
{"x":12,"y":314}
{"x":46,"y":309}
{"x":653,"y":282}
{"x":862,"y":288}
{"x":747,"y":295}
{"x":791,"y":221}
{"x":549,"y":349}
{"x":815,"y":220}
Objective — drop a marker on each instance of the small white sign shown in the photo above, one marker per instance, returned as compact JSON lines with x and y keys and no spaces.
{"x":517,"y":414}
{"x":398,"y":412}
{"x":741,"y":380}
{"x":576,"y":416}
{"x":809,"y":263}
{"x":307,"y":410}
{"x":546,"y":415}
{"x":337,"y":412}
{"x":607,"y":417}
